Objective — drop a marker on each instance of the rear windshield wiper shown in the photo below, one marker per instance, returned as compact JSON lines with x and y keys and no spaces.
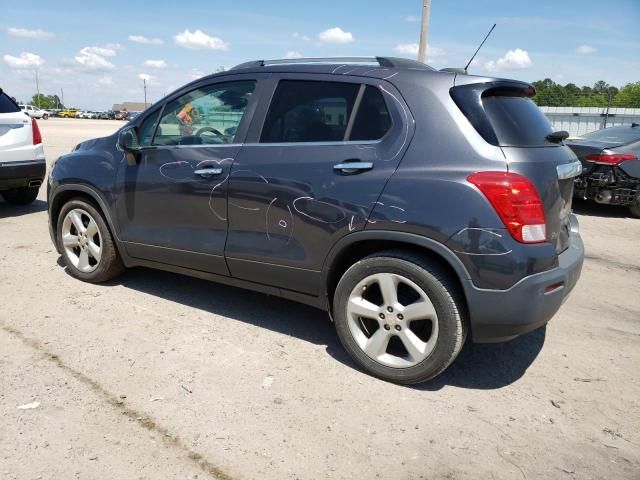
{"x":557,"y":137}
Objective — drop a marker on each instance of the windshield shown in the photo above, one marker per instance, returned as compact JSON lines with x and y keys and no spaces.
{"x":614,"y":135}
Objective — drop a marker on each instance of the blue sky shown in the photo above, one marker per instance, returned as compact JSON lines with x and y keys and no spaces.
{"x":98,"y":52}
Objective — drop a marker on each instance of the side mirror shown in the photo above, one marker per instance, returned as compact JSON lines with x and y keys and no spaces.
{"x":129,"y":144}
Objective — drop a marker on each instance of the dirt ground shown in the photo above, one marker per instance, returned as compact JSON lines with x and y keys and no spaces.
{"x":157,"y":375}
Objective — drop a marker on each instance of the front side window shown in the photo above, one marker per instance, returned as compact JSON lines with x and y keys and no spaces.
{"x":309,"y":111}
{"x":208,"y":115}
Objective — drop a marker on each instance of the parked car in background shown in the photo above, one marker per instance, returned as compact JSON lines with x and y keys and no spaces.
{"x":34,"y":112}
{"x":418,"y":207}
{"x":53,"y":112}
{"x":132,"y":116}
{"x":610,"y":166}
{"x":22,"y":161}
{"x":68,"y":113}
{"x":121,"y":115}
{"x":108,"y":115}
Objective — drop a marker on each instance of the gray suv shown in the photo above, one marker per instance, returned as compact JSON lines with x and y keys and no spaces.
{"x":417,"y":207}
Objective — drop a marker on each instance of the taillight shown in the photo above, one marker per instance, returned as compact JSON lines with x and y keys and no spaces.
{"x":609,"y":158}
{"x":516,"y":201}
{"x":37,"y":136}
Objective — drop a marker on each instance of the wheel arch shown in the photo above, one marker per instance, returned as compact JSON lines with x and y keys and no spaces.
{"x":356,"y":246}
{"x":66,"y":192}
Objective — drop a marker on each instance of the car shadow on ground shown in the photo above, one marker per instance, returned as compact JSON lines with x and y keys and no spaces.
{"x":488,"y":366}
{"x":7,"y":210}
{"x":593,"y":209}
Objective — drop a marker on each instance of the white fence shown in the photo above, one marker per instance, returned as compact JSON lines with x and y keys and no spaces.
{"x":579,"y":120}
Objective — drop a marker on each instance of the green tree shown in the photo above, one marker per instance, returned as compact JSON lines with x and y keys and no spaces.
{"x":628,"y":96}
{"x":46,"y":101}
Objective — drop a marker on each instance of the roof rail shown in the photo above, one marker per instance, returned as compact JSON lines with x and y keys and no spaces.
{"x":388,"y":62}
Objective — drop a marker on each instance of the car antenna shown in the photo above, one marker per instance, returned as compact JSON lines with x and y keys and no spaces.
{"x":476,"y":52}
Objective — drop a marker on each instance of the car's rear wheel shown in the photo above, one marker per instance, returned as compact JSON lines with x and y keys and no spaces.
{"x":400,"y":317}
{"x":86,"y":243}
{"x":45,"y":116}
{"x":21,"y":196}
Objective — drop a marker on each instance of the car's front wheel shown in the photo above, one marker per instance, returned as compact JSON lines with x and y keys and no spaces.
{"x":86,"y":243}
{"x":400,"y":317}
{"x":45,"y":116}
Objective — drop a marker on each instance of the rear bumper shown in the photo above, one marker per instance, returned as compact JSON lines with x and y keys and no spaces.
{"x":500,"y":315}
{"x":21,"y":174}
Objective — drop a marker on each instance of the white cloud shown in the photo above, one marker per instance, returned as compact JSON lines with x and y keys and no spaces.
{"x":411,"y":18}
{"x":412,"y":49}
{"x":150,"y":79}
{"x":293,"y":54}
{"x":24,"y":60}
{"x":144,"y":40}
{"x":299,"y":36}
{"x":155,"y":64}
{"x":93,"y":58}
{"x":512,"y":60}
{"x":34,"y":34}
{"x":199,"y":40}
{"x":196,"y":74}
{"x":586,"y":49}
{"x":335,"y":35}
{"x":105,"y":81}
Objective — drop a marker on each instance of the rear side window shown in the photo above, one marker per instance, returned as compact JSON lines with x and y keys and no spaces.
{"x":372,"y":118}
{"x":7,"y":105}
{"x":308,"y":111}
{"x":614,"y":135}
{"x":517,"y":121}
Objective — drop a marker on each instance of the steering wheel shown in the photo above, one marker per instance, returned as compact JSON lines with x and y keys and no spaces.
{"x":200,"y":131}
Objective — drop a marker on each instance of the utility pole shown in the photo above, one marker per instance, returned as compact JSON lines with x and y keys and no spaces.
{"x":424,"y":31}
{"x":37,"y":89}
{"x":144,"y":82}
{"x":62,"y":98}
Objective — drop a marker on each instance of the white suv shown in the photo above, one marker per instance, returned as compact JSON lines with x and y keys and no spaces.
{"x":22,"y":163}
{"x":34,"y":112}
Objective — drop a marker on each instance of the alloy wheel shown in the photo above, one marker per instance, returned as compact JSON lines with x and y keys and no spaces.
{"x":392,"y":320}
{"x":81,"y":240}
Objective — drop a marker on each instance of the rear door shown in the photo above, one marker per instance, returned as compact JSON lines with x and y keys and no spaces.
{"x":315,"y":162}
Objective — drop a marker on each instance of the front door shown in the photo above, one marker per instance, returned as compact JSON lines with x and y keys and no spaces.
{"x":314,"y":165}
{"x":172,"y":206}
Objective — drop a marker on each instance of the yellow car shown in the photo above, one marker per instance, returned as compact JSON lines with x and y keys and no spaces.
{"x":68,"y":114}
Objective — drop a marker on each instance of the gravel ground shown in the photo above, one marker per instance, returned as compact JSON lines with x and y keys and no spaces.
{"x":157,"y":375}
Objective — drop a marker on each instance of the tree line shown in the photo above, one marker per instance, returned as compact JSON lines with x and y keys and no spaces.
{"x":552,"y":94}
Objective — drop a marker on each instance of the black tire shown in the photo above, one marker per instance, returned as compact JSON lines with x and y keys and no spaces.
{"x":635,"y":211}
{"x":20,"y":196}
{"x":444,"y":294}
{"x":45,"y":117}
{"x":110,"y":264}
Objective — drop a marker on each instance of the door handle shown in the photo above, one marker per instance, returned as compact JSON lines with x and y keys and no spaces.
{"x":351,"y":167}
{"x":208,"y":172}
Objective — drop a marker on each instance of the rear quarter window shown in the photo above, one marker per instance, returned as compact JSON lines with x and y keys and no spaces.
{"x":517,"y":121}
{"x":7,"y":105}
